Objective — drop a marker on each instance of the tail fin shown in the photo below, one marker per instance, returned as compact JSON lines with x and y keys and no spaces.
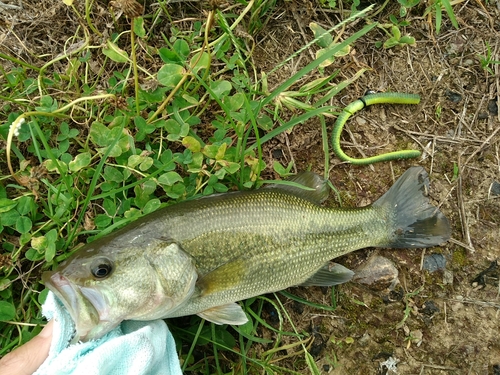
{"x":415,"y":222}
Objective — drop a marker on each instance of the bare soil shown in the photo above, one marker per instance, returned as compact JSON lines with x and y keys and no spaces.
{"x":442,"y":322}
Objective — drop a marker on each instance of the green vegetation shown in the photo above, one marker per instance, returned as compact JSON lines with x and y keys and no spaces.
{"x":105,"y":133}
{"x":487,"y":60}
{"x":84,"y":161}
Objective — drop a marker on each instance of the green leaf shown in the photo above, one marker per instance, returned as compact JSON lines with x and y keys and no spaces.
{"x":134,"y":160}
{"x":181,"y":47}
{"x":25,"y":205}
{"x":50,"y":252}
{"x":325,"y":39}
{"x":220,"y":188}
{"x":175,"y":130}
{"x":235,"y":102}
{"x":148,"y":186}
{"x":191,"y":143}
{"x":407,"y":40}
{"x":33,"y":255}
{"x":114,"y":52}
{"x":396,"y":32}
{"x":408,"y":3}
{"x":139,"y":27}
{"x":311,"y":364}
{"x":102,"y":221}
{"x":43,"y":296}
{"x":223,"y":337}
{"x":151,"y":206}
{"x":51,"y":236}
{"x":112,"y":174}
{"x":55,"y":165}
{"x":391,"y":42}
{"x":196,"y":165}
{"x":439,"y":18}
{"x":178,"y":55}
{"x":146,"y":163}
{"x":221,"y":151}
{"x":7,"y":204}
{"x":7,"y":311}
{"x":47,"y":104}
{"x":449,"y":10}
{"x":99,"y":134}
{"x":175,"y":191}
{"x":265,"y":122}
{"x":198,"y":62}
{"x":170,"y":75}
{"x":24,"y":238}
{"x":210,"y":151}
{"x":9,"y":218}
{"x":81,"y":161}
{"x":23,"y":224}
{"x":133,"y":213}
{"x":221,"y":88}
{"x":169,"y":178}
{"x":231,"y":167}
{"x":279,"y":169}
{"x":143,"y":127}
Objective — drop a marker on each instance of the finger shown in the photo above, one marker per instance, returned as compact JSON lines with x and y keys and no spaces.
{"x":26,"y":359}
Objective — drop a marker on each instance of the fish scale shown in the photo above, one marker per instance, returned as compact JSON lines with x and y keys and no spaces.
{"x":295,"y":249}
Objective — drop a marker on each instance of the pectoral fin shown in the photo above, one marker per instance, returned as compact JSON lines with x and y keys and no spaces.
{"x":328,"y":275}
{"x":224,"y":277}
{"x":231,"y":313}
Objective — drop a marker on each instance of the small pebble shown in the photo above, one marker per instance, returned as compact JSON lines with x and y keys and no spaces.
{"x":447,"y":277}
{"x":429,"y":308}
{"x":434,"y":262}
{"x":417,"y":337}
{"x":454,"y":97}
{"x":360,"y":121}
{"x":495,"y":188}
{"x":377,"y":272}
{"x":493,"y":107}
{"x":277,"y":153}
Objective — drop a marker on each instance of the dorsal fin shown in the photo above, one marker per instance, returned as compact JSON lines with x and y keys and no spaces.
{"x":316,"y":188}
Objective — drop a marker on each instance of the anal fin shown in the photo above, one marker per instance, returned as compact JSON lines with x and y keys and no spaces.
{"x":328,"y":275}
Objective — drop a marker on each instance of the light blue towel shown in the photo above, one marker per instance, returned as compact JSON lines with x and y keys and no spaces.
{"x":139,"y":348}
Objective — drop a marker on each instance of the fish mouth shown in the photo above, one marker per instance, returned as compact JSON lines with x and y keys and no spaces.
{"x":85,"y":306}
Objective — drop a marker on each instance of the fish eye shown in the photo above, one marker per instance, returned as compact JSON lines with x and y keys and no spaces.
{"x":101,"y":268}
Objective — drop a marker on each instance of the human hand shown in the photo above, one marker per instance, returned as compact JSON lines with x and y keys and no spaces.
{"x":26,"y":359}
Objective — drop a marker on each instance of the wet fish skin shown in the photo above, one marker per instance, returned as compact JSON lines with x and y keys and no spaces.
{"x":240,"y":244}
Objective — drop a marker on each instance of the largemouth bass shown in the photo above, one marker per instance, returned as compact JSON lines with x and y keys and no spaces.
{"x":201,"y":256}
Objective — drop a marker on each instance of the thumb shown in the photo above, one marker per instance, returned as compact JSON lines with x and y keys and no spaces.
{"x":26,"y":359}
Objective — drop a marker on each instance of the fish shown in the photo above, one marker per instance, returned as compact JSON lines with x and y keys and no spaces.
{"x":202,"y":256}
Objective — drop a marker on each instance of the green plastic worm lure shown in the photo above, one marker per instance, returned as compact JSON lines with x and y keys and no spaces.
{"x":380,"y":98}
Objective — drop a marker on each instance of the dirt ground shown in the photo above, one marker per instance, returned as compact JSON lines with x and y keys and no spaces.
{"x":441,"y":322}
